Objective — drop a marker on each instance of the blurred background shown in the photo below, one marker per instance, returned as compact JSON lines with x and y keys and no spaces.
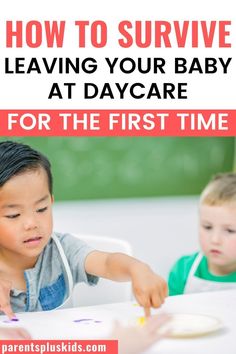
{"x":144,"y":190}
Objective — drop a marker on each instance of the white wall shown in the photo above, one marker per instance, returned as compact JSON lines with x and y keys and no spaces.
{"x":159,"y":229}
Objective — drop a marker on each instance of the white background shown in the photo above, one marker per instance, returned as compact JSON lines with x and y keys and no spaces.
{"x":31,"y":91}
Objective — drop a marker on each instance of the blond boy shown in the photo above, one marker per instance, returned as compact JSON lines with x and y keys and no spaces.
{"x":214,"y":267}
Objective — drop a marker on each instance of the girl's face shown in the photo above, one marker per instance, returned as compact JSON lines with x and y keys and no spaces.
{"x":218,"y":237}
{"x":25,"y":216}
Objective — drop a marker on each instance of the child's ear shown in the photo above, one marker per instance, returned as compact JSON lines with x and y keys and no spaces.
{"x":52,"y":198}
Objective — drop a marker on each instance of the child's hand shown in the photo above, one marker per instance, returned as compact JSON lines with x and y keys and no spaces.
{"x":149,"y":288}
{"x":136,"y":339}
{"x":14,"y":333}
{"x":5,"y":287}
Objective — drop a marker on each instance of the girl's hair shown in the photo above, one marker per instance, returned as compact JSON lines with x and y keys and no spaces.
{"x":16,"y":158}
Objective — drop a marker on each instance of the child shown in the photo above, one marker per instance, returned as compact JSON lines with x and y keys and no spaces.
{"x":214,"y":267}
{"x":38,"y":268}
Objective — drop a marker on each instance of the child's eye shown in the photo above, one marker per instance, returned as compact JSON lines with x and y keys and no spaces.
{"x":231,"y":231}
{"x":13,"y":216}
{"x":41,"y":210}
{"x":207,"y":227}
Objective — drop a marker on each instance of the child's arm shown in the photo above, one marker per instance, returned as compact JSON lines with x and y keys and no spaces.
{"x":149,"y":289}
{"x":5,"y":287}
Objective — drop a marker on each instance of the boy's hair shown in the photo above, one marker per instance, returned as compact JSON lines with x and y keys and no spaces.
{"x":220,"y":190}
{"x":17,"y":158}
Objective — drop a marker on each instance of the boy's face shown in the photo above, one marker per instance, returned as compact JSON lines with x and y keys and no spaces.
{"x":25,"y":216}
{"x":218,"y":237}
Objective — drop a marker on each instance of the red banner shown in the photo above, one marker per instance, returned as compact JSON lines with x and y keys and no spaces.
{"x":59,"y":346}
{"x":118,"y":122}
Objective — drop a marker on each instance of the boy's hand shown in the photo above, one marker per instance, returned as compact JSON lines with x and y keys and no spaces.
{"x":5,"y":287}
{"x":14,"y":333}
{"x":149,"y":288}
{"x":137,"y":339}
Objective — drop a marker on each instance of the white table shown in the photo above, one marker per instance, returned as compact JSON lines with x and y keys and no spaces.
{"x":96,"y":322}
